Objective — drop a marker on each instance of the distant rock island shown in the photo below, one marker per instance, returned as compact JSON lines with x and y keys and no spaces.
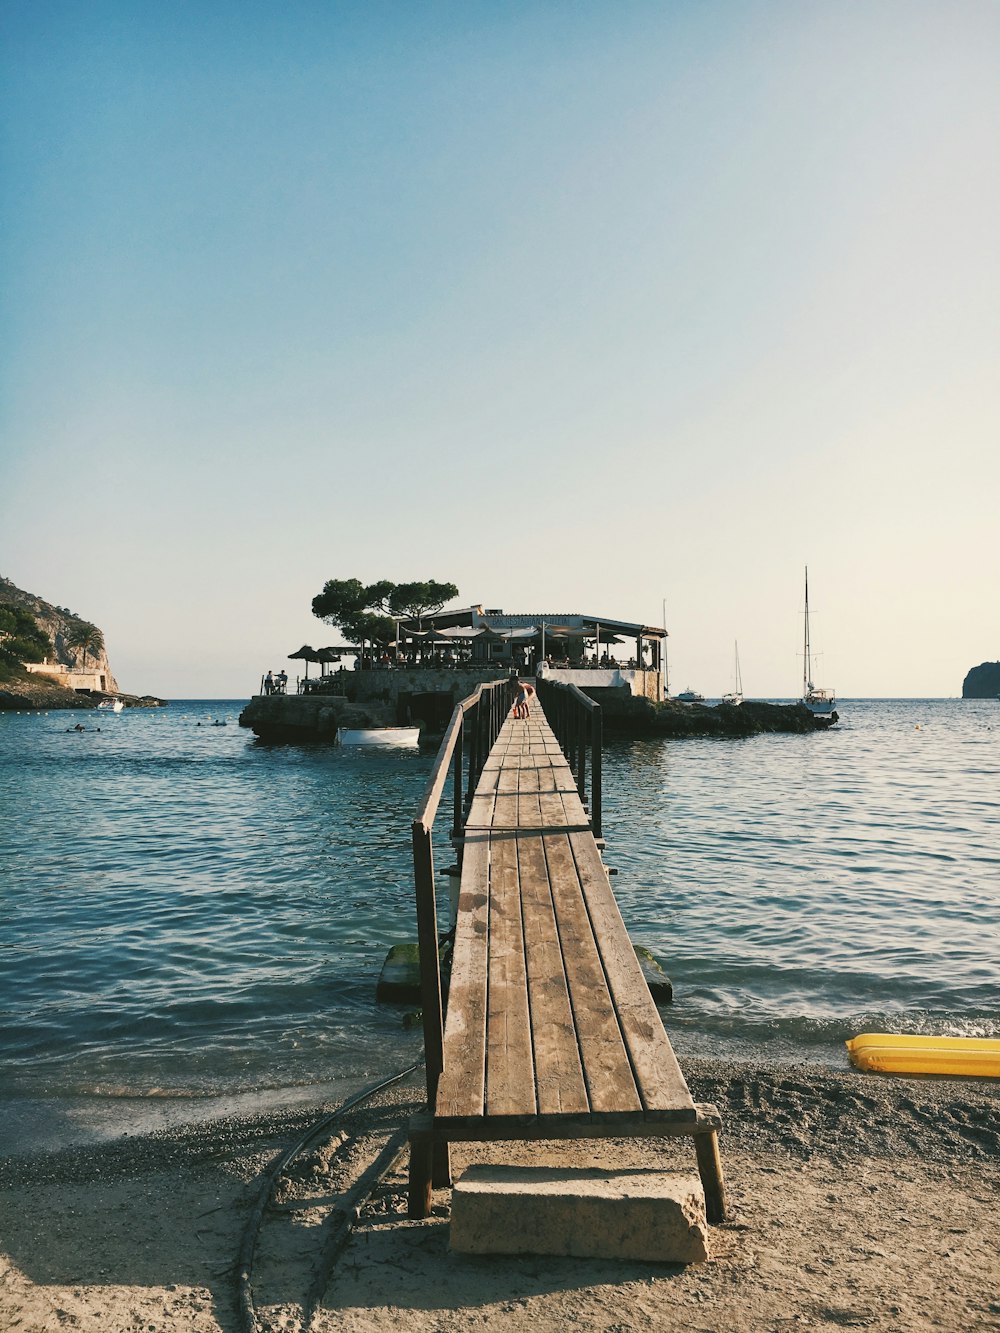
{"x":50,"y":657}
{"x":982,"y":682}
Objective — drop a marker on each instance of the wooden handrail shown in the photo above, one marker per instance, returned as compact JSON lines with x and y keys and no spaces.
{"x":577,"y":723}
{"x":485,"y":710}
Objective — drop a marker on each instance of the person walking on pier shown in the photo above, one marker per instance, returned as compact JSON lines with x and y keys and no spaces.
{"x":525,"y":691}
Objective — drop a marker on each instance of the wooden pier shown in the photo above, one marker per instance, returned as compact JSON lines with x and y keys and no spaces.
{"x":551,"y":1031}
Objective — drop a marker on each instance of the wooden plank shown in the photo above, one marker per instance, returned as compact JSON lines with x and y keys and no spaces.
{"x":606,"y":1064}
{"x":488,"y":780}
{"x":558,"y":1072}
{"x":550,"y":808}
{"x":550,"y":1027}
{"x":481,"y":811}
{"x":461,"y":1090}
{"x":510,"y":1082}
{"x":528,"y":811}
{"x":658,"y":1075}
{"x":505,"y":811}
{"x":630,"y":1124}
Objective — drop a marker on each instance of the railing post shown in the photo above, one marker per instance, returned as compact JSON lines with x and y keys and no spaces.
{"x":430,"y":967}
{"x":581,"y":748}
{"x":457,"y":819}
{"x":596,"y":747}
{"x":472,"y":716}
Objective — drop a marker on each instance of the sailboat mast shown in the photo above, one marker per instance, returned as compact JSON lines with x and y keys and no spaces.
{"x":806,"y":654}
{"x":666,"y":663}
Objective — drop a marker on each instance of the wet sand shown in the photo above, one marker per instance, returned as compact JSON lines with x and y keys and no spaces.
{"x":857,"y":1201}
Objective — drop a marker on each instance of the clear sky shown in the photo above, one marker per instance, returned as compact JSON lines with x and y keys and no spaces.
{"x":580,"y":306}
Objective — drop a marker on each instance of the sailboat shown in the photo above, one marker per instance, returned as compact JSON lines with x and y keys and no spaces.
{"x":737,"y":695}
{"x":820,"y":702}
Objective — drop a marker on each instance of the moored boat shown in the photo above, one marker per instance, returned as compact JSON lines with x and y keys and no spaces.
{"x":737,"y":695}
{"x":689,"y":696}
{"x":820,"y":702}
{"x":406,"y":736}
{"x":110,"y":706}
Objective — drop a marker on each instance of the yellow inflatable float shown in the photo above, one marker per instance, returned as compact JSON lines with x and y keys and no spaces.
{"x":889,"y":1053}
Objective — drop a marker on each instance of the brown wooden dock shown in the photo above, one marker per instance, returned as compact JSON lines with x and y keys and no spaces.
{"x":551,"y":1031}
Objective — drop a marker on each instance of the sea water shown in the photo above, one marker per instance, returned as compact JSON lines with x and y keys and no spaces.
{"x":191,"y":917}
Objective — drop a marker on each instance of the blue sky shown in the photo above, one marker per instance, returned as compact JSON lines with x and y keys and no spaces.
{"x":581,"y":307}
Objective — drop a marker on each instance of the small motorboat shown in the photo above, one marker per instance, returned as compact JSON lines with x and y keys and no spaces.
{"x":407,"y":736}
{"x":110,"y":706}
{"x":689,"y":696}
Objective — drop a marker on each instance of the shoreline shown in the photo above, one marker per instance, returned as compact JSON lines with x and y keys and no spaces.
{"x":857,"y":1200}
{"x":36,"y":695}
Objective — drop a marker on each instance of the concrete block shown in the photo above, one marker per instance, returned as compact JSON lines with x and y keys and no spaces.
{"x":633,"y":1214}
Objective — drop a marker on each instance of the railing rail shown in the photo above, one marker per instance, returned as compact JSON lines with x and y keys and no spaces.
{"x":577,"y":725}
{"x":471,"y":734}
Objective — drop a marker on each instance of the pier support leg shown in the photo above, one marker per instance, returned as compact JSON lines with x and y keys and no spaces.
{"x":442,"y":1166}
{"x":421,"y":1172}
{"x":706,"y":1147}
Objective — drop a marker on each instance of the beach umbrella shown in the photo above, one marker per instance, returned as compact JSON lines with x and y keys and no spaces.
{"x":327,"y":655}
{"x":307,"y":655}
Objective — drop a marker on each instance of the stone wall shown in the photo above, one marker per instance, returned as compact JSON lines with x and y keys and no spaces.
{"x":386,"y":686}
{"x":94,"y":679}
{"x":366,"y":698}
{"x":640,"y":684}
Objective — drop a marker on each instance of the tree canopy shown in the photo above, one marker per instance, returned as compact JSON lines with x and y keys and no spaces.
{"x":22,"y":639}
{"x":365,"y":611}
{"x":85,"y":638}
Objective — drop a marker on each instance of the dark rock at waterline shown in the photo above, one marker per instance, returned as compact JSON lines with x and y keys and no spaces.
{"x":982,"y":682}
{"x":36,"y":694}
{"x":309,"y":717}
{"x":660,"y":986}
{"x":628,"y":716}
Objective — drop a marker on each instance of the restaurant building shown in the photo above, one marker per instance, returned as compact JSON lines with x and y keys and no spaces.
{"x":593,"y":652}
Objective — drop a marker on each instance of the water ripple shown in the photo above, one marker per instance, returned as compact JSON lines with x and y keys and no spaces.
{"x":186,"y":910}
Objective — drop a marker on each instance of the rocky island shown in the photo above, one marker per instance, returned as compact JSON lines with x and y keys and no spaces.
{"x":425,"y":698}
{"x":982,"y":682}
{"x":440,"y":656}
{"x":50,"y":657}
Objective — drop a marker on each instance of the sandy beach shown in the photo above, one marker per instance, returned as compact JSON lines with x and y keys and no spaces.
{"x":857,"y":1201}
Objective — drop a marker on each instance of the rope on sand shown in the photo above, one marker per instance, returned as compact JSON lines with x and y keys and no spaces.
{"x":356,"y":1196}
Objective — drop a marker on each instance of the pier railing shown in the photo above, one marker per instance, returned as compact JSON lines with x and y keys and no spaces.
{"x":576,"y":722}
{"x":472,"y":732}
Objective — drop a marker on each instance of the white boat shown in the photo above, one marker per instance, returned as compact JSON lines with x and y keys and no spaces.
{"x":110,"y":706}
{"x":737,"y":695}
{"x":689,"y":696}
{"x":409,"y":736}
{"x":820,"y":702}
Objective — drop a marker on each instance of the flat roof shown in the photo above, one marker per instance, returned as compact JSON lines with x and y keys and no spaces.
{"x":572,"y":622}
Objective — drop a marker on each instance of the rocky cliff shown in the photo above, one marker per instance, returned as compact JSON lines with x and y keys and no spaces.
{"x":982,"y":682}
{"x":74,"y":643}
{"x":63,"y":628}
